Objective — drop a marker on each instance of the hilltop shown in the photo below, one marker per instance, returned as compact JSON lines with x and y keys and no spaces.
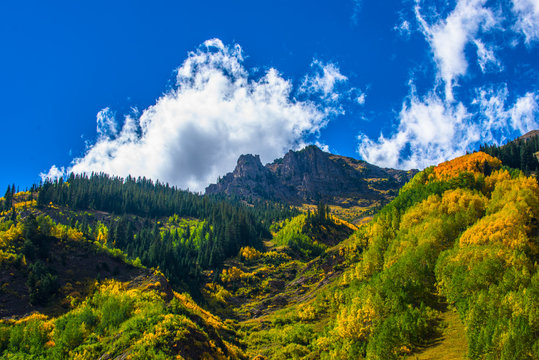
{"x":529,"y":135}
{"x":311,"y":175}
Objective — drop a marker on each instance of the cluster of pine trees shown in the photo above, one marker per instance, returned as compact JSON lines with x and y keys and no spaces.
{"x":518,"y":154}
{"x":228,"y":224}
{"x":8,"y":198}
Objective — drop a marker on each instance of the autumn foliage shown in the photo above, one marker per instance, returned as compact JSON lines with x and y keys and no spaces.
{"x":478,"y":162}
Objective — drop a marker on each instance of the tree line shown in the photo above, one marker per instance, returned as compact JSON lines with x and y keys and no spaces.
{"x":518,"y":154}
{"x":227,"y":225}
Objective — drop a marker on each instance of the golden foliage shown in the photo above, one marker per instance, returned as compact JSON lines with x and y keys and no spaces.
{"x":505,"y":227}
{"x":495,"y":178}
{"x":522,"y":191}
{"x":430,"y":221}
{"x":475,"y":163}
{"x":232,"y":274}
{"x":355,"y":322}
{"x":249,"y":253}
{"x":463,"y":200}
{"x":23,"y":204}
{"x":31,"y":317}
{"x":340,"y":221}
{"x":512,"y":220}
{"x":306,"y":312}
{"x":65,"y":232}
{"x":101,"y":233}
{"x":7,"y":237}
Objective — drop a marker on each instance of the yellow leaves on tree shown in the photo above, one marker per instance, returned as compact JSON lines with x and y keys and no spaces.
{"x":436,"y":221}
{"x":522,"y":191}
{"x":232,"y":274}
{"x":355,"y":322}
{"x":505,"y":227}
{"x":476,"y":163}
{"x":8,"y":251}
{"x":101,"y":233}
{"x":249,"y":253}
{"x":512,"y":220}
{"x":452,"y":202}
{"x":7,"y":237}
{"x":463,"y":200}
{"x":66,"y":233}
{"x":496,"y":177}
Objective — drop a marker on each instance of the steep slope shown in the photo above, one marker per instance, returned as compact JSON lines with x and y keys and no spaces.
{"x":462,"y":235}
{"x":310,"y":176}
{"x":64,"y":296}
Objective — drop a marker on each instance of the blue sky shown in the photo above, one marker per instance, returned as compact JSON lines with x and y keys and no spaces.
{"x":177,"y":90}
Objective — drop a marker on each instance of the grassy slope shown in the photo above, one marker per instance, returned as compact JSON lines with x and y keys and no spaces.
{"x":271,"y":288}
{"x":450,"y":345}
{"x":104,"y":307}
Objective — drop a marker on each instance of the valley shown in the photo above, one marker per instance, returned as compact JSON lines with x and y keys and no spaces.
{"x":109,"y":268}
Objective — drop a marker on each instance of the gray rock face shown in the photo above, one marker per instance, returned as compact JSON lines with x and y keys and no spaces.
{"x":309,"y":176}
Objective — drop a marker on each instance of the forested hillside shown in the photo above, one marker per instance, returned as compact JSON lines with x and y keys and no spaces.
{"x":181,"y":232}
{"x":456,"y":252}
{"x":522,"y":153}
{"x":460,"y":237}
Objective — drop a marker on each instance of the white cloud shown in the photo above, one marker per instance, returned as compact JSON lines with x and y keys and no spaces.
{"x":106,"y":123}
{"x":426,"y":135}
{"x":525,"y":112}
{"x":196,"y":132}
{"x":491,"y":106}
{"x":322,"y":146}
{"x":505,"y":121}
{"x":448,"y":38}
{"x":442,"y":125}
{"x":324,"y":81}
{"x":53,"y":173}
{"x":486,"y":58}
{"x":432,"y":130}
{"x":527,"y":12}
{"x":403,"y":28}
{"x":361,"y":99}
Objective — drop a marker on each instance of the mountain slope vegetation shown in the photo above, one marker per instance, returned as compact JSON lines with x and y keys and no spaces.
{"x":455,"y":252}
{"x":462,"y":235}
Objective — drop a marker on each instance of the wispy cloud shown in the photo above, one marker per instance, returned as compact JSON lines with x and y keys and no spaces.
{"x":324,"y":80}
{"x":443,"y":123}
{"x":432,"y":130}
{"x":195,"y":132}
{"x":357,"y":9}
{"x":527,"y":12}
{"x":485,"y":57}
{"x":448,"y":38}
{"x":106,"y":124}
{"x":404,"y":28}
{"x":360,"y":99}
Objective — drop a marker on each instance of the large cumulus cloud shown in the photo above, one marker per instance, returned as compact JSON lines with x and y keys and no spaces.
{"x":195,"y":132}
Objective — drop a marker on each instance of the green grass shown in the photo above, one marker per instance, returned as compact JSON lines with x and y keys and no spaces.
{"x":451,"y":345}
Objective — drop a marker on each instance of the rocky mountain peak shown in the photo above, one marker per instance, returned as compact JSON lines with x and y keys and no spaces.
{"x":249,"y":166}
{"x":310,"y":175}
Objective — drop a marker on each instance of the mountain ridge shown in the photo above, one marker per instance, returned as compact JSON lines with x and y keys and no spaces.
{"x":309,"y":176}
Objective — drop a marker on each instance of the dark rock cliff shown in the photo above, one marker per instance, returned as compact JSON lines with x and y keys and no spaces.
{"x":309,"y":176}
